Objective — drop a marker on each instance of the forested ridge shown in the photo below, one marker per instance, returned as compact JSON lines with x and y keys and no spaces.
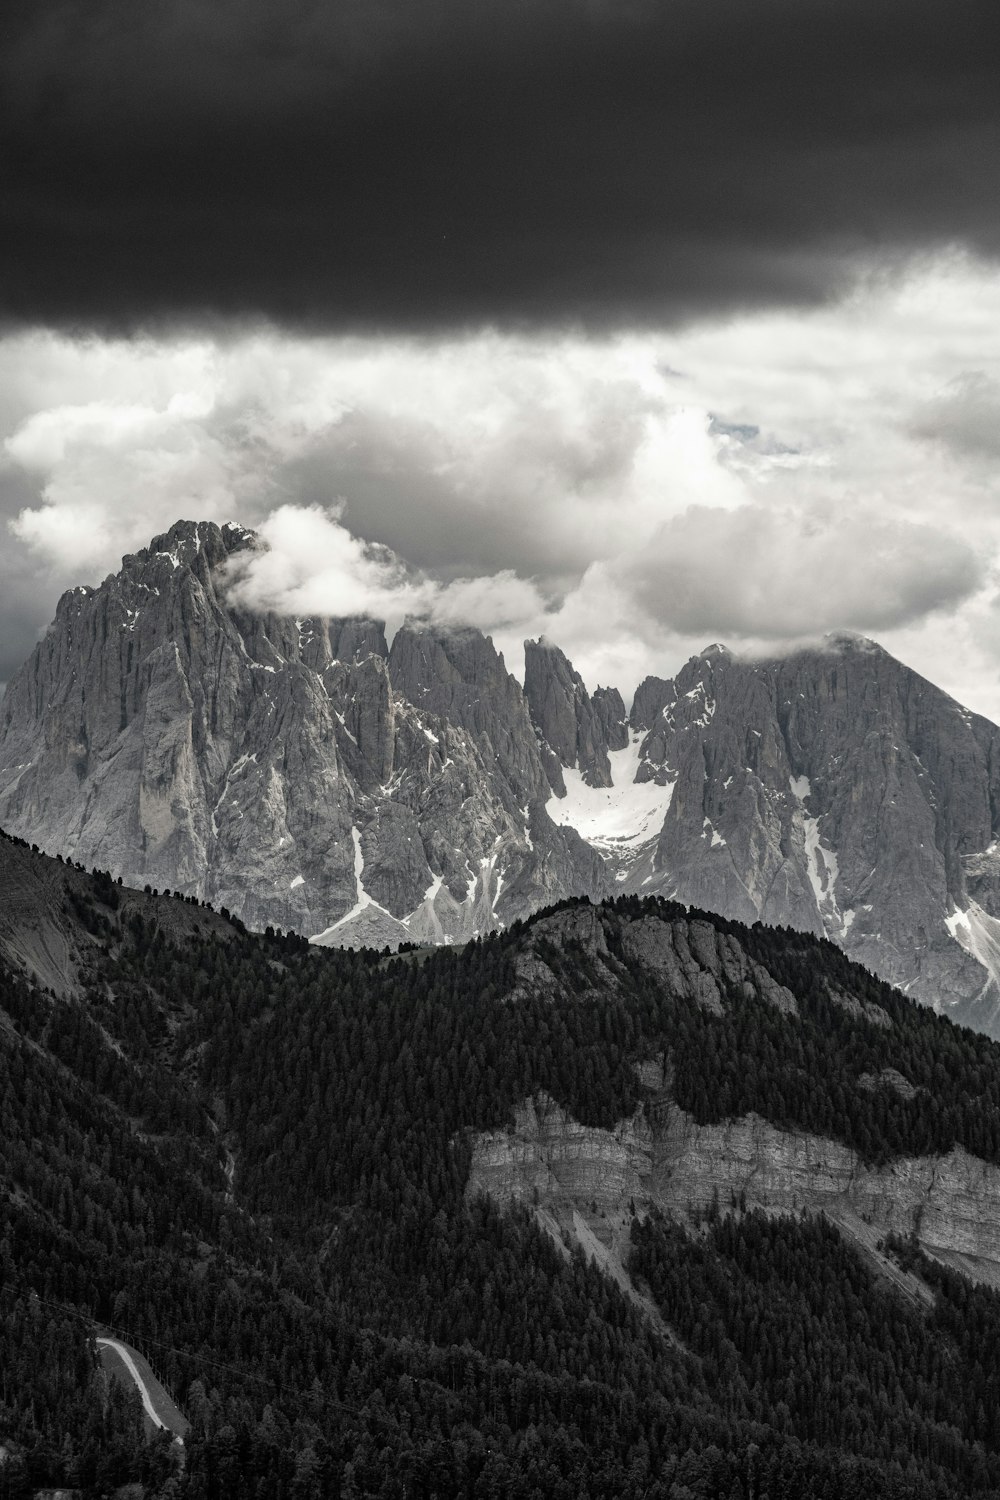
{"x":340,"y":1319}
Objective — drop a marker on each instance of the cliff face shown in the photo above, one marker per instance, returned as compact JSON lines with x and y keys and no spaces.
{"x":837,"y":792}
{"x":586,"y":1183}
{"x":660,"y":1158}
{"x":295,"y":771}
{"x":577,"y":729}
{"x":834,"y":791}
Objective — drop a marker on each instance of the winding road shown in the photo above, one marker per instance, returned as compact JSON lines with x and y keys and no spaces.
{"x":156,"y":1403}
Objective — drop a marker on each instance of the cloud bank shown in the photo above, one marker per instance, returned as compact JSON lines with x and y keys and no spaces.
{"x":314,"y":566}
{"x":766,"y":572}
{"x":419,"y":165}
{"x":633,"y":497}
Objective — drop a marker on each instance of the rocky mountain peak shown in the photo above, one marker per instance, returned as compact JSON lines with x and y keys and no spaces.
{"x":850,"y":640}
{"x":293,"y":770}
{"x":651,"y":697}
{"x":609,"y":711}
{"x":188,"y":541}
{"x":459,"y":676}
{"x":837,"y":791}
{"x":577,"y":729}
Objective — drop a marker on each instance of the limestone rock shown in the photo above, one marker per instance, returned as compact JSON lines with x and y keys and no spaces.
{"x":837,"y":792}
{"x":295,"y":771}
{"x":661,"y":1158}
{"x":694,"y":959}
{"x":578,"y":730}
{"x":609,"y":712}
{"x":651,"y":697}
{"x":460,"y":678}
{"x":832,"y":790}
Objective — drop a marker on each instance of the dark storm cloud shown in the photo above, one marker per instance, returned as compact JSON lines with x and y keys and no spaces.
{"x":435,"y":163}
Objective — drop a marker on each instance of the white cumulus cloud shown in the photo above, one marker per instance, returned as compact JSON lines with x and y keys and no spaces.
{"x":313,"y":565}
{"x":633,"y":496}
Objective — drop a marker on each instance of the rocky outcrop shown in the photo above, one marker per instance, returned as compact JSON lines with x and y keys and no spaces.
{"x":577,"y":729}
{"x":837,"y":792}
{"x":694,"y":960}
{"x":612,"y":720}
{"x":460,"y":678}
{"x":585,"y":1183}
{"x":688,"y":959}
{"x":651,"y":697}
{"x":834,"y":791}
{"x":660,"y":1158}
{"x":296,"y":771}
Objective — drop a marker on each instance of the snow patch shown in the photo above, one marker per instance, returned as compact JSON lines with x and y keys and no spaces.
{"x":628,"y":813}
{"x":958,"y":923}
{"x":343,"y":724}
{"x":426,"y":906}
{"x":708,"y":706}
{"x":979,"y":934}
{"x":363,"y":898}
{"x":822,"y":864}
{"x":299,"y":880}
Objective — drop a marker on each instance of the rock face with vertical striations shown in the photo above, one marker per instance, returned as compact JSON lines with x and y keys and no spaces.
{"x":577,"y":729}
{"x":297,"y":772}
{"x":833,"y":790}
{"x":838,"y":792}
{"x":304,"y":773}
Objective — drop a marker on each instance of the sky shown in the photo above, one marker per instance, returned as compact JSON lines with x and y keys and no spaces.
{"x":638,"y":325}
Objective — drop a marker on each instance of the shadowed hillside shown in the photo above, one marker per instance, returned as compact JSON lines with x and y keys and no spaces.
{"x":266,"y":1163}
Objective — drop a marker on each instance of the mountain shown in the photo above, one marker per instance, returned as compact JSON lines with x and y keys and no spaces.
{"x":575,"y":730}
{"x":297,"y":772}
{"x":838,"y":792}
{"x":833,"y":790}
{"x":307,"y":775}
{"x":674,"y":1207}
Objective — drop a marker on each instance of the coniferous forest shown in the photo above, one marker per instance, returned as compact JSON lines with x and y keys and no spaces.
{"x":251,"y":1158}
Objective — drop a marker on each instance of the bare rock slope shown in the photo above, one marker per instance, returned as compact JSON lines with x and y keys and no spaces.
{"x":834,"y":791}
{"x":295,"y":771}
